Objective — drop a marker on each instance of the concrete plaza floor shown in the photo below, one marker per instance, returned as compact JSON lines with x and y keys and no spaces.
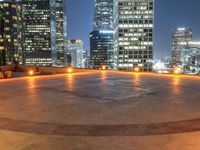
{"x":100,"y":110}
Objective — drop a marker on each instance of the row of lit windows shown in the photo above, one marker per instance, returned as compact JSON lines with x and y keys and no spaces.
{"x":149,"y":16}
{"x":132,"y":65}
{"x":136,"y":3}
{"x":135,"y":60}
{"x":135,"y":56}
{"x":136,"y":42}
{"x":136,"y":21}
{"x":136,"y":25}
{"x":126,"y":12}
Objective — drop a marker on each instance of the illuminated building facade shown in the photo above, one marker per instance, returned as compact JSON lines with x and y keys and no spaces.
{"x":133,"y":34}
{"x":10,"y":33}
{"x":103,"y":15}
{"x":101,"y":38}
{"x":43,"y":23}
{"x":75,"y":53}
{"x":101,"y":45}
{"x":190,"y":56}
{"x":179,"y":35}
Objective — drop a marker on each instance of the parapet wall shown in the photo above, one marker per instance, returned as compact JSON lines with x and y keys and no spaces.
{"x":7,"y":68}
{"x":54,"y":70}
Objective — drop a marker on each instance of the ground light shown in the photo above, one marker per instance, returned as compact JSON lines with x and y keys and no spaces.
{"x":177,"y":70}
{"x":103,"y":67}
{"x":136,"y":69}
{"x":69,"y":69}
{"x":30,"y":72}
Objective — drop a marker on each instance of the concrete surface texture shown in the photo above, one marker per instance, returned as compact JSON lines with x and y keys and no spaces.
{"x":100,"y":110}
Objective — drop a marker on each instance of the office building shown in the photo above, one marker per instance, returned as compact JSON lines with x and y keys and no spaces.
{"x":133,"y":34}
{"x":75,"y":53}
{"x":179,"y":35}
{"x":101,"y":45}
{"x":10,"y":33}
{"x":101,"y":38}
{"x":43,"y":23}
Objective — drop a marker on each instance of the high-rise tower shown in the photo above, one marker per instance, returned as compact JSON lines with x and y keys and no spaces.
{"x":101,"y":38}
{"x":43,"y":23}
{"x":10,"y":33}
{"x":133,"y":34}
{"x":179,"y":36}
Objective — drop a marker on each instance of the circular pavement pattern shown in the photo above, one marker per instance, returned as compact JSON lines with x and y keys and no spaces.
{"x":100,"y":130}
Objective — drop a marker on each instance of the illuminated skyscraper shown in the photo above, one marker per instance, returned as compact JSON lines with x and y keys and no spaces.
{"x":133,"y":34}
{"x":101,"y":38}
{"x":179,"y":36}
{"x":10,"y":33}
{"x":43,"y":23}
{"x":101,"y":45}
{"x":103,"y":15}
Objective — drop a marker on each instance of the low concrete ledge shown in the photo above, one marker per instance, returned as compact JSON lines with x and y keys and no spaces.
{"x":52,"y":70}
{"x":7,"y":68}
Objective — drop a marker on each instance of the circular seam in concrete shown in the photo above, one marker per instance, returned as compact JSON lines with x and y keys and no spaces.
{"x":100,"y":130}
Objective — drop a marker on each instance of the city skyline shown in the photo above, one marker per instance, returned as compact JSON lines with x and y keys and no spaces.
{"x":99,"y":74}
{"x":182,"y":17}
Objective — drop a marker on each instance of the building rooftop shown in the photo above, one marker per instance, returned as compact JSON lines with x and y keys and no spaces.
{"x":100,"y":110}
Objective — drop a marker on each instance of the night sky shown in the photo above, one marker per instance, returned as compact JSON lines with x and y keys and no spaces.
{"x":168,"y":15}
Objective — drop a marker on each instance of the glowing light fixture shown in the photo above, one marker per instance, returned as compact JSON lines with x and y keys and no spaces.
{"x":104,"y":67}
{"x":31,"y":72}
{"x":137,"y":69}
{"x":69,"y":70}
{"x":177,"y":70}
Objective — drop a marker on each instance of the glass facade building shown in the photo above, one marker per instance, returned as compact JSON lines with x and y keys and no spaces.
{"x":10,"y":33}
{"x":179,"y":35}
{"x":101,"y":45}
{"x":101,"y":38}
{"x":43,"y":26}
{"x":133,"y":34}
